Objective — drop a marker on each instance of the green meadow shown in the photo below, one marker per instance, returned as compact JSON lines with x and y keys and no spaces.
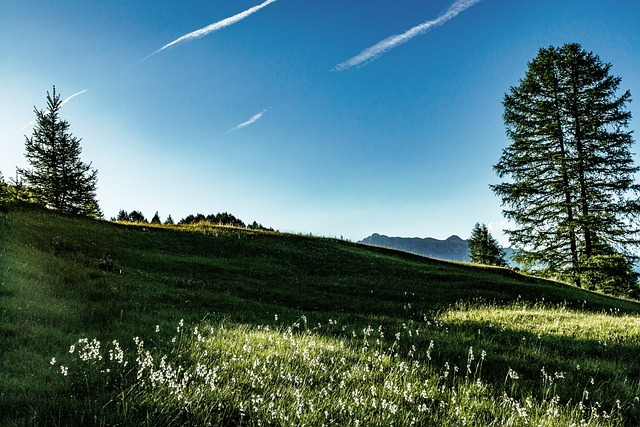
{"x":118,"y":324}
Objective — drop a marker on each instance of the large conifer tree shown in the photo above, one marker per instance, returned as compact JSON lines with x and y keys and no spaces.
{"x":570,"y":185}
{"x":58,"y":178}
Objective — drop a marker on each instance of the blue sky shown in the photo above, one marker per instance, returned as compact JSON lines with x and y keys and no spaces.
{"x":259,"y":119}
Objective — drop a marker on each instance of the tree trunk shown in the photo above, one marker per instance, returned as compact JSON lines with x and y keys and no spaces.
{"x":566,"y":185}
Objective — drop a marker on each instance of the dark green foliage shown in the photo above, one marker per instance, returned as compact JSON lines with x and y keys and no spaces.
{"x":134,"y":216}
{"x":123,"y":216}
{"x":4,"y":192}
{"x":192,"y":219}
{"x":14,"y":193}
{"x":223,"y":218}
{"x":156,"y":219}
{"x":612,"y":274}
{"x":256,"y":226}
{"x":169,"y":221}
{"x":137,"y":216}
{"x":59,"y":179}
{"x":570,"y":186}
{"x":484,"y":248}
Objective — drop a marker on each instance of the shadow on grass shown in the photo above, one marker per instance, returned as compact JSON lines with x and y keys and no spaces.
{"x":91,"y":278}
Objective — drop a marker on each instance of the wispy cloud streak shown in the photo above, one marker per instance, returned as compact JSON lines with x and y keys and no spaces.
{"x":213,"y":27}
{"x":251,"y":121}
{"x":389,"y":43}
{"x":67,"y":99}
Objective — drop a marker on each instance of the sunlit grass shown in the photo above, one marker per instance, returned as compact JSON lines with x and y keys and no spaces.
{"x":378,"y":321}
{"x":552,"y":321}
{"x":230,"y":374}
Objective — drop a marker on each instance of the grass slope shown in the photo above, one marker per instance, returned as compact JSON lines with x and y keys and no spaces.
{"x":63,"y":279}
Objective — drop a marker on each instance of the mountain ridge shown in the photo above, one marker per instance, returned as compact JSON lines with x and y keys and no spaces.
{"x":453,"y":248}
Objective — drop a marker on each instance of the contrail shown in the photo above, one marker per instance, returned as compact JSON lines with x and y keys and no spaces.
{"x":67,"y":99}
{"x":248,"y":122}
{"x":389,"y":43}
{"x":213,"y":27}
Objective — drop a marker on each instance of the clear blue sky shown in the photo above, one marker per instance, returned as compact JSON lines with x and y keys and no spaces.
{"x":259,"y":119}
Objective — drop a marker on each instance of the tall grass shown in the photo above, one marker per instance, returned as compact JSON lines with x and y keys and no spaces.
{"x":65,"y":279}
{"x":277,"y":375}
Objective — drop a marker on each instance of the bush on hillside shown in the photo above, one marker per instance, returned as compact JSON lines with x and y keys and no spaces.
{"x":4,"y":191}
{"x":611,"y":274}
{"x":15,"y":193}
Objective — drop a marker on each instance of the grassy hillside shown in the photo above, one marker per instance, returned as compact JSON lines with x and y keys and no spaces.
{"x":264,"y":328}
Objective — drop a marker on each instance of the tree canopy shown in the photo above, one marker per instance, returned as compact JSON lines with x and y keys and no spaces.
{"x":484,"y":248}
{"x":569,"y":177}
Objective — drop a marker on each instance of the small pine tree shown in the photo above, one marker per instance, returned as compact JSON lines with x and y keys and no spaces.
{"x":169,"y":221}
{"x":484,"y":248}
{"x":137,"y":216}
{"x":156,"y":219}
{"x":59,"y":179}
{"x":17,"y":191}
{"x":123,"y":216}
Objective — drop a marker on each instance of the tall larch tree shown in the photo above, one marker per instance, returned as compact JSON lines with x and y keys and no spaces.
{"x":58,"y":178}
{"x":569,"y":174}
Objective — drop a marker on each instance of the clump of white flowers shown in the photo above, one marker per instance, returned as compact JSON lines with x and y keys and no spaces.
{"x":292,"y":375}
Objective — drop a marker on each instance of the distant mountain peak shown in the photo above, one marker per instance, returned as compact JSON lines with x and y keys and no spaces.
{"x":453,"y":248}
